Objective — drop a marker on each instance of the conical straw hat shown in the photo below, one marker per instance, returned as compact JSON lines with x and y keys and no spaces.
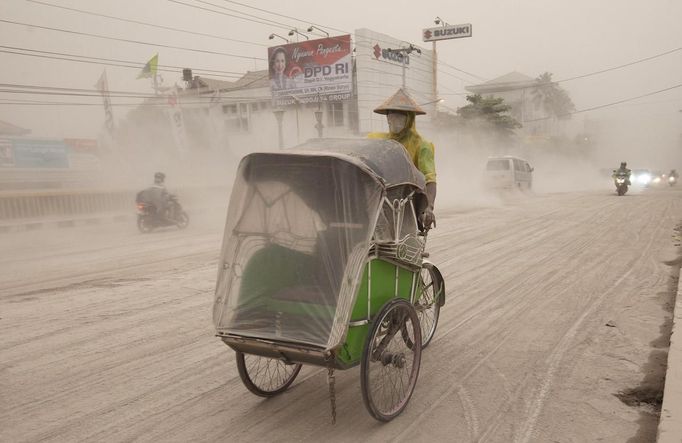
{"x":400,"y":101}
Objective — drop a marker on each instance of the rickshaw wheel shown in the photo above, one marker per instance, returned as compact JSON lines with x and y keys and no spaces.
{"x":264,"y":376}
{"x":391,"y":360}
{"x":427,"y":306}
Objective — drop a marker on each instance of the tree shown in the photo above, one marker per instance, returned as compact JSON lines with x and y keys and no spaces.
{"x":554,"y":100}
{"x":489,"y":113}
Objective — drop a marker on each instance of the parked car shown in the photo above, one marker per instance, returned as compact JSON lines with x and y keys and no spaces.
{"x":508,"y":172}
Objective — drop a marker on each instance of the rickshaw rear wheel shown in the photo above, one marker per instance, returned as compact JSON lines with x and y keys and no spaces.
{"x":427,"y":305}
{"x":391,"y":360}
{"x":264,"y":376}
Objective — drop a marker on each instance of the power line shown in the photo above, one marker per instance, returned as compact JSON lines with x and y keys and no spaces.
{"x":204,"y":51}
{"x":462,"y":71}
{"x":145,"y":23}
{"x":593,"y":108}
{"x":613,"y":68}
{"x":621,"y":66}
{"x":271,"y":23}
{"x":81,"y":92}
{"x":286,"y":16}
{"x":100,"y":61}
{"x":137,"y":64}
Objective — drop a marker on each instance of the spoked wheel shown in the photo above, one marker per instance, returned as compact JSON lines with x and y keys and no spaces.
{"x":144,"y":225}
{"x":427,"y":306}
{"x":183,"y":220}
{"x":391,"y":359}
{"x":265,"y":376}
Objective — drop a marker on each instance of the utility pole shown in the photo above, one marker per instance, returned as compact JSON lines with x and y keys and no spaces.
{"x":403,"y":53}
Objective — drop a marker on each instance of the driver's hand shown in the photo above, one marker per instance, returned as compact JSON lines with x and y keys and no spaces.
{"x":427,"y":219}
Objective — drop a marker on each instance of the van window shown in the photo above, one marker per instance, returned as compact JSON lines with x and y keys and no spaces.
{"x":498,"y":165}
{"x":518,"y":165}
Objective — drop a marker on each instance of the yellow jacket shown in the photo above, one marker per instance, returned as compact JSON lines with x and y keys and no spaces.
{"x":420,"y":151}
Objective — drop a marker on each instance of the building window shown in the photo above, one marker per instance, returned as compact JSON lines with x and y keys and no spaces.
{"x":237,"y":117}
{"x":334,"y":114}
{"x":254,"y":107}
{"x":230,"y":109}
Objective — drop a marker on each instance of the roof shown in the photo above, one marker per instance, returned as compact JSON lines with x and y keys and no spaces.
{"x":250,"y":80}
{"x":510,"y":81}
{"x":10,"y":129}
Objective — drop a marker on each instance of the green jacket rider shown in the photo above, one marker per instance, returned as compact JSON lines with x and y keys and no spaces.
{"x":400,"y":111}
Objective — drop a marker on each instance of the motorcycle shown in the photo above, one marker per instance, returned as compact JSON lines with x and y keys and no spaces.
{"x":148,"y":217}
{"x":621,"y":182}
{"x":672,"y":180}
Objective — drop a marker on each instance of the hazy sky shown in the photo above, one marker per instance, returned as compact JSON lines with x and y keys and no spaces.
{"x":567,"y":38}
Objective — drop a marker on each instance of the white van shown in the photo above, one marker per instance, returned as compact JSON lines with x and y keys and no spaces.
{"x":508,"y":172}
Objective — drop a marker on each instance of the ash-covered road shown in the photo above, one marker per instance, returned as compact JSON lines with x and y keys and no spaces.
{"x":555,"y":328}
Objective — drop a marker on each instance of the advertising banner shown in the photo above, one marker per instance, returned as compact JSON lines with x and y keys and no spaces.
{"x":83,"y":153}
{"x":311,"y":71}
{"x":447,"y":32}
{"x":36,"y":153}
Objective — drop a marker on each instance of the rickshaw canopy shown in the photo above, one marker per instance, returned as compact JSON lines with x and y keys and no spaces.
{"x":297,"y":236}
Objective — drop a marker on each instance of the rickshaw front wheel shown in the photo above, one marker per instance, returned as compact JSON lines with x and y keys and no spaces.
{"x":391,"y":360}
{"x":264,"y":376}
{"x":427,"y":305}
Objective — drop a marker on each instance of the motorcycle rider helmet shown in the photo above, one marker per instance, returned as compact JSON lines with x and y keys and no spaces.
{"x":159,"y":177}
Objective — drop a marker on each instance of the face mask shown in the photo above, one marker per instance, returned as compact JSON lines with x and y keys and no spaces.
{"x":396,"y":121}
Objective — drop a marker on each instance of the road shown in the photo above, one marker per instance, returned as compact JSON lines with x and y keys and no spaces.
{"x":555,"y":328}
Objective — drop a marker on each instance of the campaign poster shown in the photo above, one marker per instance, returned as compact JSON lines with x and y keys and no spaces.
{"x":311,"y":71}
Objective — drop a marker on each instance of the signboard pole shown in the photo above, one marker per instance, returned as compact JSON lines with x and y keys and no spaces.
{"x":435,"y":78}
{"x":445,"y":32}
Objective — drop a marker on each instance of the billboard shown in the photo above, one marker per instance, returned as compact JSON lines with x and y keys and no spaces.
{"x":447,"y":32}
{"x":311,"y":71}
{"x":36,"y":153}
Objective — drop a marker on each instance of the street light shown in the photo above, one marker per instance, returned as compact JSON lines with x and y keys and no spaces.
{"x":273,"y":35}
{"x":439,"y":20}
{"x":435,"y":104}
{"x":404,"y":51}
{"x":440,"y":100}
{"x":279,"y":113}
{"x":295,"y":31}
{"x":311,"y":27}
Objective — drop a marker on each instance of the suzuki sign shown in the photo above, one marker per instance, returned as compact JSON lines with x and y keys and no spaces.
{"x":447,"y":32}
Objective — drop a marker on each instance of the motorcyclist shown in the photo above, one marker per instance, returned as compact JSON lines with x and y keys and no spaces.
{"x":400,"y":111}
{"x":157,"y":195}
{"x":622,"y":171}
{"x":674,"y":174}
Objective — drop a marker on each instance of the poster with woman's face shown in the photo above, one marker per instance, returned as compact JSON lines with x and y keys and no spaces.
{"x":311,"y":71}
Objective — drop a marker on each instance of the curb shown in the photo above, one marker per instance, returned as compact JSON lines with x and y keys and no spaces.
{"x":670,"y":422}
{"x":34,"y":224}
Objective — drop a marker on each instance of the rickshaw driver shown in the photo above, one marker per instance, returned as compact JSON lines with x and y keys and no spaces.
{"x":401,"y":111}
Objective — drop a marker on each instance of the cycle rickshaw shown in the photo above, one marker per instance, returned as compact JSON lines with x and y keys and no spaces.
{"x":323,"y":263}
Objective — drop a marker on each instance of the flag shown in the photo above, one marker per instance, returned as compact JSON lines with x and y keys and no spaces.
{"x":102,"y":86}
{"x":149,"y":70}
